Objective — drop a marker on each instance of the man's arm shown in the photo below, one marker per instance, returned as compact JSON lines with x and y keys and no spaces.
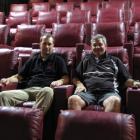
{"x":13,"y":79}
{"x":79,"y":85}
{"x":63,"y":81}
{"x":132,"y":83}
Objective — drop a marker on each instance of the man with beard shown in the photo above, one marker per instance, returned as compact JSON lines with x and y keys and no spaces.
{"x":98,"y":77}
{"x":42,"y":72}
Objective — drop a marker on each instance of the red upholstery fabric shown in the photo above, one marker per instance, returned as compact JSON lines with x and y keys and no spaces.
{"x":78,"y":16}
{"x":53,"y":3}
{"x":68,"y":53}
{"x":36,"y":7}
{"x":2,"y":17}
{"x":60,"y":100}
{"x":67,"y":35}
{"x":27,"y":34}
{"x":48,"y":18}
{"x":136,"y":66}
{"x":41,"y":6}
{"x":110,"y":15}
{"x":81,"y":125}
{"x":64,"y":7}
{"x":134,"y":15}
{"x":20,"y":123}
{"x":16,"y":18}
{"x":18,"y":7}
{"x":35,"y":1}
{"x":137,"y":36}
{"x":4,"y":31}
{"x":136,"y":55}
{"x":120,"y":4}
{"x":133,"y":96}
{"x":8,"y":62}
{"x":135,"y":4}
{"x":92,"y":6}
{"x":114,"y":32}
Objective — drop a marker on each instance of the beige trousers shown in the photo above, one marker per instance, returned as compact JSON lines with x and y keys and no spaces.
{"x":42,"y":96}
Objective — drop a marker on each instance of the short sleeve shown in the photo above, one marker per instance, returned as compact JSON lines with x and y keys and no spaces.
{"x":25,"y":69}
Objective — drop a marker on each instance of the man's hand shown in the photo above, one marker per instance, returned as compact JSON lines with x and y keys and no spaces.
{"x":56,"y":83}
{"x":12,"y":79}
{"x":80,"y":87}
{"x":5,"y":81}
{"x":136,"y":84}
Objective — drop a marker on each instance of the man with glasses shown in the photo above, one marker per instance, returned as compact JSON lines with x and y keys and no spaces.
{"x":98,"y":77}
{"x":40,"y":74}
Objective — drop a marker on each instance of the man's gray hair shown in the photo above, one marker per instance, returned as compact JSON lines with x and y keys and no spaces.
{"x":98,"y":36}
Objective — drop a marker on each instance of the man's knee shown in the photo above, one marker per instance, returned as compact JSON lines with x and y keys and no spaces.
{"x":5,"y":99}
{"x":116,"y":100}
{"x":112,"y":104}
{"x":47,"y":91}
{"x":44,"y":99}
{"x":3,"y":95}
{"x":74,"y":99}
{"x":113,"y":100}
{"x":75,"y":102}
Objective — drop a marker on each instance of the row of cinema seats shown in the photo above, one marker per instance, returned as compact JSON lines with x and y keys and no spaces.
{"x":26,"y":124}
{"x":92,"y":11}
{"x":69,"y":35}
{"x":40,"y":13}
{"x":72,"y":42}
{"x":62,"y":8}
{"x":92,"y":6}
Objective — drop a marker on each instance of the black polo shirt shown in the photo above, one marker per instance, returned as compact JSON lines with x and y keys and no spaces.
{"x":37,"y":72}
{"x":103,"y":74}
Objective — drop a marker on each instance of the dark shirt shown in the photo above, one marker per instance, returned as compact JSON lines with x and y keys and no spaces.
{"x":37,"y":72}
{"x":104,"y":74}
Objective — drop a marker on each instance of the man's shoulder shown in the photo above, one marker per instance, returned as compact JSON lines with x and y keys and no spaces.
{"x":115,"y":58}
{"x":57,"y":56}
{"x":87,"y":56}
{"x":36,"y":54}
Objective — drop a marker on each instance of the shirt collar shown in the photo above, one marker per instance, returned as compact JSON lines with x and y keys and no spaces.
{"x":45,"y":58}
{"x":105,"y":55}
